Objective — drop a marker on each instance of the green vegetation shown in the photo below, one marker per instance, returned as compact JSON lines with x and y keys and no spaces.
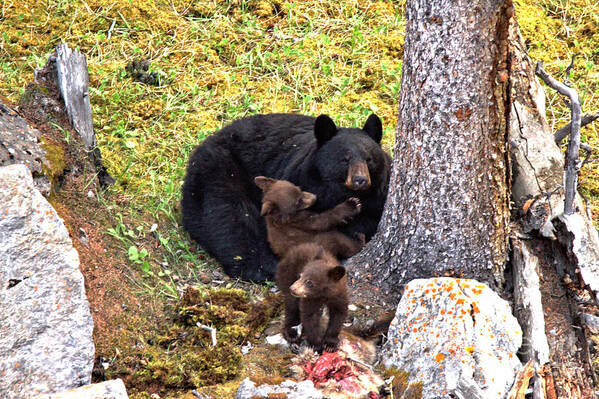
{"x":210,"y":62}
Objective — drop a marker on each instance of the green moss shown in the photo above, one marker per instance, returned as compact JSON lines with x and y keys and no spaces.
{"x":182,"y":357}
{"x":54,"y":163}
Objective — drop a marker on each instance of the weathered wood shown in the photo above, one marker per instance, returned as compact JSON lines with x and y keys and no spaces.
{"x":521,"y":384}
{"x":528,"y":306}
{"x":72,"y":79}
{"x":537,"y":162}
{"x":73,"y":83}
{"x":447,"y":210}
{"x":573,"y":150}
{"x":538,"y":170}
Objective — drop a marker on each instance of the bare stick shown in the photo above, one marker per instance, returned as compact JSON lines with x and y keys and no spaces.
{"x":211,"y":330}
{"x":584,"y":120}
{"x":574,"y":143}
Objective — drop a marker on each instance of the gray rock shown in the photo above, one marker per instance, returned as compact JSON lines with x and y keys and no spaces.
{"x":45,"y":323}
{"x":456,"y":336}
{"x":113,"y":389}
{"x":20,"y":143}
{"x":293,"y":390}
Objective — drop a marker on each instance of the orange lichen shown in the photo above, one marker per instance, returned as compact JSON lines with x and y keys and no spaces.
{"x":440,"y":357}
{"x":469,"y":349}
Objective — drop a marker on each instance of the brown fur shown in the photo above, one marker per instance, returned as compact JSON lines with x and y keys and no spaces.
{"x":290,"y":224}
{"x":310,"y":278}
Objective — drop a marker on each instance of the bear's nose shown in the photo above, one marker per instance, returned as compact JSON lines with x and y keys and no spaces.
{"x":360,"y":182}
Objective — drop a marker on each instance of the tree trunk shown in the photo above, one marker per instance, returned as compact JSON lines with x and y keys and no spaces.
{"x":447,"y":210}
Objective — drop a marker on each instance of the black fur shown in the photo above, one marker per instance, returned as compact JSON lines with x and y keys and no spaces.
{"x":221,"y":203}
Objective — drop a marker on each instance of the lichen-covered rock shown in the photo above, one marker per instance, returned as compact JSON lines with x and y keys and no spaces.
{"x":20,"y":143}
{"x":455,"y":336}
{"x":45,"y":323}
{"x":292,"y":390}
{"x":113,"y":389}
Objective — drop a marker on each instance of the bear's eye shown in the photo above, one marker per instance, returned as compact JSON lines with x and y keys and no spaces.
{"x":368,"y":159}
{"x":309,"y":284}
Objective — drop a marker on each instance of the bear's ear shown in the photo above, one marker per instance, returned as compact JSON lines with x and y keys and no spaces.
{"x":264,"y":182}
{"x":337,"y":273}
{"x":267,"y":207}
{"x":324,"y":129}
{"x":308,"y":199}
{"x":374,"y":128}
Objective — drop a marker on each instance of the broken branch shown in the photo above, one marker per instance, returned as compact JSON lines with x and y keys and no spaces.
{"x":584,"y":120}
{"x":574,"y":143}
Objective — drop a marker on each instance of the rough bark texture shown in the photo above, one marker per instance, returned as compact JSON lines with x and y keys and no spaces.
{"x":447,"y":211}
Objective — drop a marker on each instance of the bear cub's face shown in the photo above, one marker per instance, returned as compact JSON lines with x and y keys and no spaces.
{"x":318,"y":279}
{"x":282,"y":197}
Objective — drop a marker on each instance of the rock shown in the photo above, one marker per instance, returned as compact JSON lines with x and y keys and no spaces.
{"x":46,"y":326}
{"x":113,"y":389}
{"x":20,"y":143}
{"x":292,"y":390}
{"x":276,"y":339}
{"x":457,"y":337}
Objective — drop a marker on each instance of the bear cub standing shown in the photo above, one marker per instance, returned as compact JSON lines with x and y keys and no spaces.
{"x":289,"y":224}
{"x":310,"y":278}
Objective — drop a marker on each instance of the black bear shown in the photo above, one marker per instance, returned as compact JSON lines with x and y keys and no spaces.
{"x":221,"y":204}
{"x":289,"y":224}
{"x":310,"y":278}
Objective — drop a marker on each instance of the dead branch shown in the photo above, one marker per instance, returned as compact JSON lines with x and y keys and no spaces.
{"x":584,"y":120}
{"x":574,"y":143}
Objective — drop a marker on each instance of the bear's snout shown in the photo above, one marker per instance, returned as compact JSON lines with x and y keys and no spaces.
{"x":358,"y":177}
{"x":298,"y":289}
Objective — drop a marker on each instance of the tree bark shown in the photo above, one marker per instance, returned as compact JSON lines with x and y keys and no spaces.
{"x":447,"y":210}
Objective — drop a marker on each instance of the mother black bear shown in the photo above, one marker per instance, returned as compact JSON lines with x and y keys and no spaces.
{"x":221,"y":203}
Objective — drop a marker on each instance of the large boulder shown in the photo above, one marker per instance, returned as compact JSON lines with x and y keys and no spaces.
{"x":455,"y":336}
{"x":45,"y":323}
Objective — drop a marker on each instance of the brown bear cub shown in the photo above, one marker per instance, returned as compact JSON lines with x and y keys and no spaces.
{"x":289,"y":224}
{"x":310,"y":278}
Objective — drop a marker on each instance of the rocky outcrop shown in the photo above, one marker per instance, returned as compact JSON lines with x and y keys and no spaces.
{"x":113,"y":389}
{"x":45,"y":323}
{"x":455,"y":336}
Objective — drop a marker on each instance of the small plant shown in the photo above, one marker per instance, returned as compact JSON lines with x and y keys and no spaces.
{"x":139,"y":257}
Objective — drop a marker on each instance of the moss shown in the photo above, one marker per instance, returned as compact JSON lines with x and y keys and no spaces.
{"x":181,"y":356}
{"x":54,"y":163}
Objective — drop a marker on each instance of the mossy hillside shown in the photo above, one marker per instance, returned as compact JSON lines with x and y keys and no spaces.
{"x":181,"y":357}
{"x":222,"y":59}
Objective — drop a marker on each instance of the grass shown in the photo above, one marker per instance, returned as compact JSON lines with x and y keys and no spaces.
{"x":218,"y":60}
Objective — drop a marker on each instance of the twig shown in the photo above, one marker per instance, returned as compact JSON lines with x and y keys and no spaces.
{"x":574,"y":143}
{"x":110,"y":29}
{"x":584,"y":120}
{"x":361,"y":363}
{"x":568,"y":69}
{"x":211,"y":330}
